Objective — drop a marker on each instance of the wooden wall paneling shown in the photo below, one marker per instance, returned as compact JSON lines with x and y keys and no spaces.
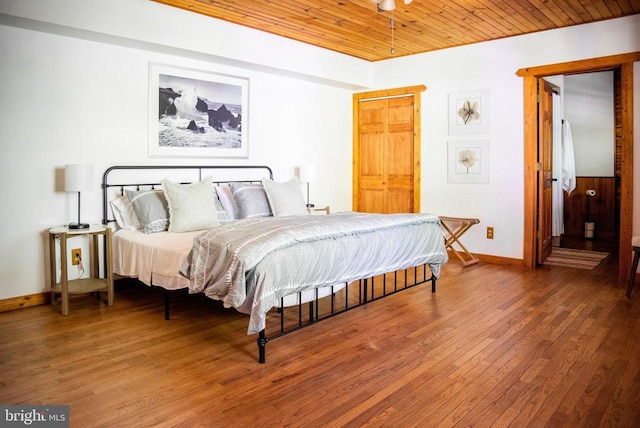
{"x":580,"y":208}
{"x":354,"y":27}
{"x":617,"y":118}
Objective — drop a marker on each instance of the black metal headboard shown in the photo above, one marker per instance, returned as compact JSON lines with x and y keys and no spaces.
{"x":150,"y":176}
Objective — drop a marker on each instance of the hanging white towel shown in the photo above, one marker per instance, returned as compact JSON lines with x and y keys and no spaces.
{"x":557,"y":202}
{"x":568,"y":160}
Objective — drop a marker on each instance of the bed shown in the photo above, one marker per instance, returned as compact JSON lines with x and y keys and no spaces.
{"x":273,"y":262}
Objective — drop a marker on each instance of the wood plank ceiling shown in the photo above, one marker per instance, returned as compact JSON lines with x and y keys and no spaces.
{"x":354,"y":27}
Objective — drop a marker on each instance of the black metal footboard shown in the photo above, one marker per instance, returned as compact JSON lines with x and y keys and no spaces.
{"x":351,"y":296}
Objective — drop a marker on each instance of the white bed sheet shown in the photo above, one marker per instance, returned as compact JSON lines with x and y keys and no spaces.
{"x":153,"y":258}
{"x":250,"y":264}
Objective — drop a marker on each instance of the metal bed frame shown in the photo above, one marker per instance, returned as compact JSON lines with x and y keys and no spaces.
{"x":351,"y":296}
{"x":199,"y":172}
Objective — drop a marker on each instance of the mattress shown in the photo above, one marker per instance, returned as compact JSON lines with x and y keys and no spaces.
{"x":155,"y":259}
{"x":152,"y":258}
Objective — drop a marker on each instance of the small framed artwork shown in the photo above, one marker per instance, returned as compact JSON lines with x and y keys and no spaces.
{"x":196,"y":113}
{"x":469,"y":112}
{"x":468,"y":162}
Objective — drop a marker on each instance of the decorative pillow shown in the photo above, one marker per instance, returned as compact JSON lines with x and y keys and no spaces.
{"x":225,"y":195}
{"x":191,"y":206}
{"x":222,"y":214}
{"x":251,"y":200}
{"x":285,"y":198}
{"x":124,"y":214}
{"x":151,"y":209}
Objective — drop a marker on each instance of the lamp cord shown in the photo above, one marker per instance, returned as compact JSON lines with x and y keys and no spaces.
{"x":78,"y":208}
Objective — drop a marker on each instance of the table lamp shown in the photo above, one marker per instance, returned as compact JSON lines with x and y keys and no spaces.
{"x":78,"y":178}
{"x":308,"y":173}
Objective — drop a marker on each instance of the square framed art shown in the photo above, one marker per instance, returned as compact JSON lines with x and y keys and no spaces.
{"x":195,"y":113}
{"x":469,"y":112}
{"x":468,"y":162}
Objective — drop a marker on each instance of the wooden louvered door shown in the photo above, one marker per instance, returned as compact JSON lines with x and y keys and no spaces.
{"x":387,"y":153}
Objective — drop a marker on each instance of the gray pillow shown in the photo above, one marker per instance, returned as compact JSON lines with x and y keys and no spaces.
{"x":251,"y":199}
{"x":285,"y":199}
{"x":151,"y":208}
{"x":191,"y":206}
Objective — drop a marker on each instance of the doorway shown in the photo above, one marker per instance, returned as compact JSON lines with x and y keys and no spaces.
{"x":585,"y":165}
{"x":531,"y":76}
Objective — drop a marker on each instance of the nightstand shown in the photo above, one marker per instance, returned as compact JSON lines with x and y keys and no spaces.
{"x":312,"y":210}
{"x":94,"y":284}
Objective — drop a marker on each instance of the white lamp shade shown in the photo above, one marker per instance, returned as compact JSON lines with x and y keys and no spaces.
{"x":387,"y":5}
{"x":308,"y":173}
{"x":78,"y":177}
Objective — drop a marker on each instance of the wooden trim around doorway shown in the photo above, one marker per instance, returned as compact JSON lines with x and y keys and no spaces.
{"x":530,"y":76}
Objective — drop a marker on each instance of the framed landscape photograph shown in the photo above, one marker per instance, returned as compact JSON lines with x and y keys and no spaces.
{"x":469,"y":112}
{"x":197,"y":113}
{"x":468,"y":162}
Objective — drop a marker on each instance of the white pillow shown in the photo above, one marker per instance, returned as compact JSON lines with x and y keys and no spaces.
{"x":285,"y":199}
{"x":191,"y":206}
{"x":124,"y":214}
{"x":225,"y":195}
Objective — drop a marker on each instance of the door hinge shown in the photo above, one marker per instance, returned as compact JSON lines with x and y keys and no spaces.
{"x":539,"y":166}
{"x":538,"y":234}
{"x":539,"y":98}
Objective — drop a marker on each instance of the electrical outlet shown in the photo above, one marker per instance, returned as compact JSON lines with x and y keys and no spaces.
{"x":489,"y":232}
{"x":76,"y":256}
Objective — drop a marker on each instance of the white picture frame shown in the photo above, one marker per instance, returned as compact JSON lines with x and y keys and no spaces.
{"x":468,"y":162}
{"x":469,"y":112}
{"x":195,"y":113}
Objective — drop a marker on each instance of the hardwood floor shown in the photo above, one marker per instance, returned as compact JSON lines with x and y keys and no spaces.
{"x":606,"y":245}
{"x":494,"y":346}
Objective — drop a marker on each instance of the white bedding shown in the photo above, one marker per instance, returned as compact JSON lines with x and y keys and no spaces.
{"x":153,"y":258}
{"x":250,"y":264}
{"x":325,"y":252}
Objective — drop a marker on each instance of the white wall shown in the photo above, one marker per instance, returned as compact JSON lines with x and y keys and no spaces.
{"x":78,"y":100}
{"x":492,"y":66}
{"x":75,"y":89}
{"x":588,"y":106}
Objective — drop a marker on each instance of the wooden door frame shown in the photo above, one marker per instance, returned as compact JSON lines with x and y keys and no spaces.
{"x":530,"y":77}
{"x":389,"y":93}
